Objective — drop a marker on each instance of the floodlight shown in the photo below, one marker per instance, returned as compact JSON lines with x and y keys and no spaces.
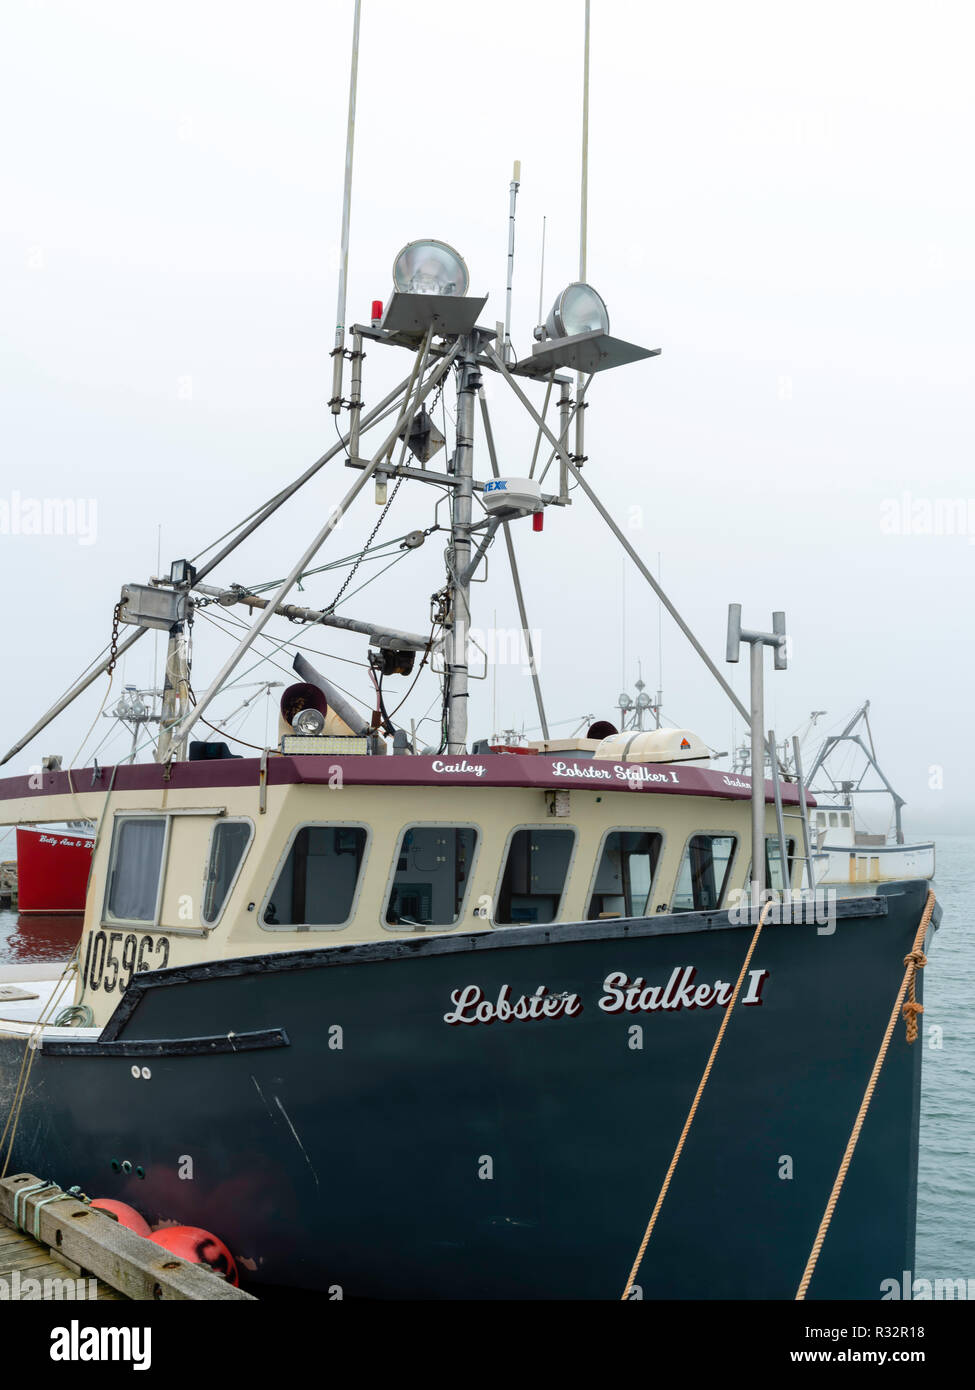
{"x":308,"y":722}
{"x":643,"y":701}
{"x":578,"y":309}
{"x":624,"y":702}
{"x":430,"y":267}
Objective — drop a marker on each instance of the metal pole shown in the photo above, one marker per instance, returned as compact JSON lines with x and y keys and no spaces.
{"x":513,"y":190}
{"x":169,"y":745}
{"x":538,"y":436}
{"x":261,"y":622}
{"x":516,"y":579}
{"x":779,"y":822}
{"x":355,"y":395}
{"x":758,"y":772}
{"x":800,"y":783}
{"x":468,"y":384}
{"x":338,"y":351}
{"x":565,"y":401}
{"x":381,"y":635}
{"x":569,"y":415}
{"x":583,"y":234}
{"x":541,"y":275}
{"x":584,"y":200}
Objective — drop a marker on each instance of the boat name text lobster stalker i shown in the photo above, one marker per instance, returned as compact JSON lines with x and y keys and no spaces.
{"x":623,"y":995}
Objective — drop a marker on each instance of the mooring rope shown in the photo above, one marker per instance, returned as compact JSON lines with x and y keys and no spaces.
{"x":31,"y":1049}
{"x":694,"y":1104}
{"x":914,"y":961}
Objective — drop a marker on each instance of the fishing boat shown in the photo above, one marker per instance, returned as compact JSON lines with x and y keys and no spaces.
{"x":847,"y":854}
{"x":398,"y":1021}
{"x":53,"y":864}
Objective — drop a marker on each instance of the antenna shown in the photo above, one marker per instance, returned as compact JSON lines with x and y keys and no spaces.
{"x":338,"y":352}
{"x":508,"y":350}
{"x":584,"y":200}
{"x":583,"y":225}
{"x":541,"y":274}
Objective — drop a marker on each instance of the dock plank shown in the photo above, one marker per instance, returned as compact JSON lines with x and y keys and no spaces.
{"x":137,"y":1268}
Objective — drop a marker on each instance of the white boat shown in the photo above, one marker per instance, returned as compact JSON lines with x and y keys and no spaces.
{"x":845,"y":855}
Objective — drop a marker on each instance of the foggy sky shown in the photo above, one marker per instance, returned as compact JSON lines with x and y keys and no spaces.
{"x":780,"y":199}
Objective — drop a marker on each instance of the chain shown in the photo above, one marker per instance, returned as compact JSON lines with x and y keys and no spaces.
{"x":113,"y":649}
{"x":438,"y":394}
{"x":365,"y":550}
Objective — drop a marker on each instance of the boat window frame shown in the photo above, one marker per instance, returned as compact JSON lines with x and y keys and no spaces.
{"x":224,"y":820}
{"x":106,"y":918}
{"x":276,"y":873}
{"x":419,"y":930}
{"x":729,"y":879}
{"x":569,"y":869}
{"x":617,"y":830}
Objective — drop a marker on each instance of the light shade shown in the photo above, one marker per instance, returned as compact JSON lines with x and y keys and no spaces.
{"x":309,"y":721}
{"x":578,"y":309}
{"x":430,"y":267}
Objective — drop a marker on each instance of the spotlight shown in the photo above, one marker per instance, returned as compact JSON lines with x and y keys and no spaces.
{"x":309,"y":722}
{"x":578,"y":309}
{"x":430,"y":267}
{"x":430,"y":286}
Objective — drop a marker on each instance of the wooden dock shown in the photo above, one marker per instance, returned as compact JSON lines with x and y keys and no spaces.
{"x":73,"y":1250}
{"x":29,"y":1270}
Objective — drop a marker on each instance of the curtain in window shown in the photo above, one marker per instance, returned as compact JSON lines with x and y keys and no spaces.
{"x":135,"y":875}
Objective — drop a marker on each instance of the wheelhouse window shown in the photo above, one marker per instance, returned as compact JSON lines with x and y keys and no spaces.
{"x":833,"y":820}
{"x":431,"y":875}
{"x":773,"y":862}
{"x":228,"y":845}
{"x":316,"y":885}
{"x":535,"y":874}
{"x":624,"y":875}
{"x":704,"y":873}
{"x":136,"y":867}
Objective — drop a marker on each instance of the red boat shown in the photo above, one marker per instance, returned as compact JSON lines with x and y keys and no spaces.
{"x":52,"y":870}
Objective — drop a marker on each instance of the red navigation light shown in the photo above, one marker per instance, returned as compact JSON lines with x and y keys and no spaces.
{"x":377,"y":310}
{"x":538,"y":520}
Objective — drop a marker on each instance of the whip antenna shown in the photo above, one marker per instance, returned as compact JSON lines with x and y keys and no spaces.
{"x":338,"y":351}
{"x":508,"y":350}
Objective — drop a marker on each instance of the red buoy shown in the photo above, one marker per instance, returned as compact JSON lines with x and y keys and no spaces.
{"x":127,"y":1216}
{"x":198,"y":1247}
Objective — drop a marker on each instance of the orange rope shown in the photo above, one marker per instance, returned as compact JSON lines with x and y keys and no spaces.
{"x":694,"y":1104}
{"x":914,"y":961}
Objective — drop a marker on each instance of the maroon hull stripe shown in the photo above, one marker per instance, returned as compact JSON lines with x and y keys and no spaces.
{"x":547,"y":771}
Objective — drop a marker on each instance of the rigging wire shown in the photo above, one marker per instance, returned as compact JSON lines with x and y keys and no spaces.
{"x":366,"y":548}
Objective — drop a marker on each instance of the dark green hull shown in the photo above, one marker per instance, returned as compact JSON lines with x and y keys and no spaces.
{"x":406,"y":1156}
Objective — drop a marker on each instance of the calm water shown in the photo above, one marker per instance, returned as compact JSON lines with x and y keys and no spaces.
{"x":946,"y":1189}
